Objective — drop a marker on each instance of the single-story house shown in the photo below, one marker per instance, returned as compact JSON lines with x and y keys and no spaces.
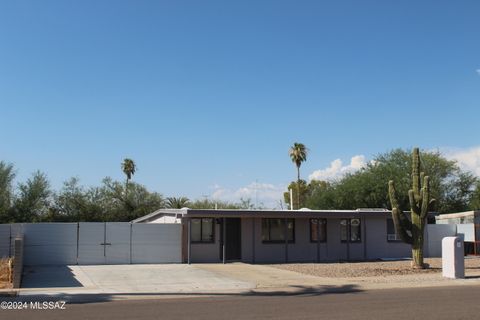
{"x":466,"y":223}
{"x":264,"y":236}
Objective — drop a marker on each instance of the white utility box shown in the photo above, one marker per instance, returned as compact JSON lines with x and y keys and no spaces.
{"x":453,"y":260}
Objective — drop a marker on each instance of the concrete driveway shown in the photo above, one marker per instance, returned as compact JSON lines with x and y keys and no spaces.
{"x":127,"y":279}
{"x":114,"y":282}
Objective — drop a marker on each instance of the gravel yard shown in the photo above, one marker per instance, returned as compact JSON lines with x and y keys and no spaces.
{"x":374,"y":269}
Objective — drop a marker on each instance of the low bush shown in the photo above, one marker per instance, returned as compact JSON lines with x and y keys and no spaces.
{"x":6,"y":273}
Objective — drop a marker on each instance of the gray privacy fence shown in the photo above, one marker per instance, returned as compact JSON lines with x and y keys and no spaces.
{"x":94,"y":242}
{"x":434,"y":235}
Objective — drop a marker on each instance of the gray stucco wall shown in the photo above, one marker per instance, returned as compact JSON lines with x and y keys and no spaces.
{"x":377,"y":245}
{"x":334,"y":246}
{"x":374,"y":244}
{"x":247,"y":240}
{"x":207,"y":252}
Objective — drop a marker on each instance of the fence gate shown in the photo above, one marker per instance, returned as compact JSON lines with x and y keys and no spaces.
{"x":104,"y":242}
{"x":91,"y":239}
{"x":117,"y":242}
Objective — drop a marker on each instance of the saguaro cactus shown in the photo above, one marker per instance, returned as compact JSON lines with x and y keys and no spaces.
{"x":411,"y":230}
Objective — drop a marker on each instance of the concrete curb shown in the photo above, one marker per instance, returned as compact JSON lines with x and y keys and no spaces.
{"x":9,"y":293}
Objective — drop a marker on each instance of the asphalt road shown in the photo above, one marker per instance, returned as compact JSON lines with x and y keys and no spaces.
{"x":419,"y":303}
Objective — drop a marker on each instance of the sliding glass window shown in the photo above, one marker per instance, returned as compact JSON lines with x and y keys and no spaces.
{"x":203,"y":230}
{"x":273,"y":230}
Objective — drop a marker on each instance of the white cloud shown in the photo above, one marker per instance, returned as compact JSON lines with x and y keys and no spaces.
{"x":267,"y":195}
{"x":467,"y":159}
{"x":337,"y":169}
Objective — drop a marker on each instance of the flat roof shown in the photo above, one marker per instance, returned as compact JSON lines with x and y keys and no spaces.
{"x":248,"y":213}
{"x":457,"y":215}
{"x":226,"y":213}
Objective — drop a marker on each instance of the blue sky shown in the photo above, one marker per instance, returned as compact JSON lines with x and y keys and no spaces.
{"x":207,"y":96}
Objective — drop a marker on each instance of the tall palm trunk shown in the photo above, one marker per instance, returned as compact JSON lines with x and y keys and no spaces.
{"x":298,"y":187}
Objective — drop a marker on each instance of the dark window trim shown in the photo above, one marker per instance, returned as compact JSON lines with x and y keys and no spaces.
{"x":310,"y":227}
{"x":394,"y":232}
{"x":279,"y":241}
{"x":201,"y":231}
{"x":349,"y":231}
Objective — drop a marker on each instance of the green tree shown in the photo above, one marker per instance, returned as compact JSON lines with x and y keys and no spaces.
{"x":212,"y":204}
{"x":300,"y":193}
{"x":33,"y":201}
{"x":139,"y":201}
{"x":366,"y":188}
{"x":475,"y":199}
{"x":321,"y":194}
{"x":459,"y":193}
{"x":128,"y":167}
{"x":74,"y":203}
{"x":247,"y":204}
{"x":177,"y":203}
{"x":7,"y":174}
{"x":70,"y":202}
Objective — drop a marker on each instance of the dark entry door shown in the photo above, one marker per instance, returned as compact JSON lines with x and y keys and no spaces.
{"x":233,"y":239}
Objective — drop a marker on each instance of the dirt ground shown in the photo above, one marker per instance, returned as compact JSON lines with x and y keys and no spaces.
{"x":373,"y":269}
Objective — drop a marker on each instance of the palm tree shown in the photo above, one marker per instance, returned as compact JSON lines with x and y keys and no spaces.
{"x":177,"y":203}
{"x":298,"y":153}
{"x":128,"y":167}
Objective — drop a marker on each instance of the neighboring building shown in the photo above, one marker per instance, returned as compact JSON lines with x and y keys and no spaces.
{"x":162,"y":216}
{"x":263,"y":236}
{"x":466,"y":223}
